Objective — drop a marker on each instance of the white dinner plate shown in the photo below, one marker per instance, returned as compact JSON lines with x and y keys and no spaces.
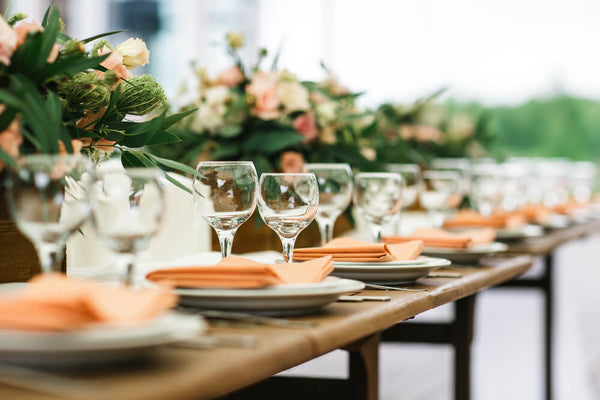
{"x":100,"y":344}
{"x":469,"y":255}
{"x":391,"y":272}
{"x":522,"y":232}
{"x":271,"y":300}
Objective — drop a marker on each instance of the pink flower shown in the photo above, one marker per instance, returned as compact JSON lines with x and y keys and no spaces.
{"x":10,"y":139}
{"x":24,"y":28}
{"x":231,"y":77}
{"x":291,"y":162}
{"x":89,"y":118}
{"x":114,"y":62}
{"x":264,"y":89}
{"x":99,"y":144}
{"x":8,"y":42}
{"x":306,"y":124}
{"x":76,"y":144}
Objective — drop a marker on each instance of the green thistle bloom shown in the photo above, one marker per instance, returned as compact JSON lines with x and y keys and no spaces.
{"x":85,"y":92}
{"x":140,"y":95}
{"x":99,"y":45}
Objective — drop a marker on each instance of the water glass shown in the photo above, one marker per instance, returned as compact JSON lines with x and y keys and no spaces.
{"x":335,"y":193}
{"x":486,"y":187}
{"x":378,"y":197}
{"x":441,"y":193}
{"x":287,"y":204}
{"x":412,"y":182}
{"x":127,"y":207}
{"x":225,"y":195}
{"x":48,"y":197}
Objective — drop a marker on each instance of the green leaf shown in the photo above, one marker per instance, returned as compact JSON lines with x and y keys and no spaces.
{"x":226,"y":150}
{"x":68,"y":67}
{"x":92,"y":38}
{"x":272,"y":142}
{"x":48,"y":37}
{"x":177,"y":183}
{"x":7,"y":117}
{"x":132,"y":158}
{"x":165,"y":137}
{"x":231,"y":131}
{"x":174,"y":118}
{"x":7,"y":159}
{"x":172,"y":164}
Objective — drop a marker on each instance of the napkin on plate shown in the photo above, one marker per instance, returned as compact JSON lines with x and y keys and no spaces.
{"x":53,"y":302}
{"x":433,"y":237}
{"x":472,"y":218}
{"x":534,"y":213}
{"x":348,"y":249}
{"x":238,"y":272}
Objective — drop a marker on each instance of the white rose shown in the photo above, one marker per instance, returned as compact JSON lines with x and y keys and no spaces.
{"x":293,"y":96}
{"x":206,"y":118}
{"x":327,"y":111}
{"x":216,"y":96}
{"x":134,"y":52}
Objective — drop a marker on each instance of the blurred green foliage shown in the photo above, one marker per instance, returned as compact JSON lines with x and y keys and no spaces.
{"x":559,"y":126}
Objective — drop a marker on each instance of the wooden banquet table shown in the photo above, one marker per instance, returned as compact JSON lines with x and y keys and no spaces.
{"x":184,"y":373}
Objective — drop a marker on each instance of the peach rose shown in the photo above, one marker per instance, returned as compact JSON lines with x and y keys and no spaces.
{"x":114,"y":62}
{"x":76,"y":144}
{"x":264,"y":89}
{"x":424,"y":133}
{"x":8,"y":42}
{"x":292,"y":162}
{"x":307,"y":126}
{"x":89,"y":118}
{"x":99,"y":144}
{"x":231,"y":77}
{"x":10,"y":139}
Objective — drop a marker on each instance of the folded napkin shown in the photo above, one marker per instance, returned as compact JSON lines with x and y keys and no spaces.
{"x":433,"y":237}
{"x":471,"y":218}
{"x":570,"y":207}
{"x":57,"y":303}
{"x":535,"y":213}
{"x":348,"y":249}
{"x":239,"y":272}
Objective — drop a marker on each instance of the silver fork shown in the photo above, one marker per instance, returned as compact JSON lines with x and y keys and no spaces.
{"x":401,"y":289}
{"x":254,"y":319}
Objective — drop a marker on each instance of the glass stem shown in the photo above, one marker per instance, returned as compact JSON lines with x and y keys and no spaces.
{"x":226,"y":241}
{"x":376,"y":232}
{"x":126,"y":268}
{"x":288,"y":247}
{"x":51,"y":256}
{"x":398,"y":224}
{"x":326,"y":229}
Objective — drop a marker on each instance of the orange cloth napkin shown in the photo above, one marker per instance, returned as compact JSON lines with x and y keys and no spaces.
{"x":57,"y":303}
{"x":535,"y":213}
{"x":570,"y":207}
{"x":471,"y":218}
{"x":433,"y":237}
{"x":348,"y":249}
{"x":239,"y":272}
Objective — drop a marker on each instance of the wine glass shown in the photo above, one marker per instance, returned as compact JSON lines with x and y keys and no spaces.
{"x":441,"y":193}
{"x":412,"y":182}
{"x":48,"y":197}
{"x":378,"y":197}
{"x":486,"y":187}
{"x":335,"y":192}
{"x":225,"y":195}
{"x":127,"y":207}
{"x":288,"y":204}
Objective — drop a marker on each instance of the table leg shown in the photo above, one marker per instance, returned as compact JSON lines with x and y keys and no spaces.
{"x":458,"y":333}
{"x":362,"y":382}
{"x":548,"y":287}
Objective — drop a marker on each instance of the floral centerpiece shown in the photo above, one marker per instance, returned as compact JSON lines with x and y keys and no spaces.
{"x":56,"y":96}
{"x":270,"y":117}
{"x":425,"y":130}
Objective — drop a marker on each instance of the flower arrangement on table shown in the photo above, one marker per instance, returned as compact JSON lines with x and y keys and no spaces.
{"x":425,"y":130}
{"x":58,"y":97}
{"x":270,"y":117}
